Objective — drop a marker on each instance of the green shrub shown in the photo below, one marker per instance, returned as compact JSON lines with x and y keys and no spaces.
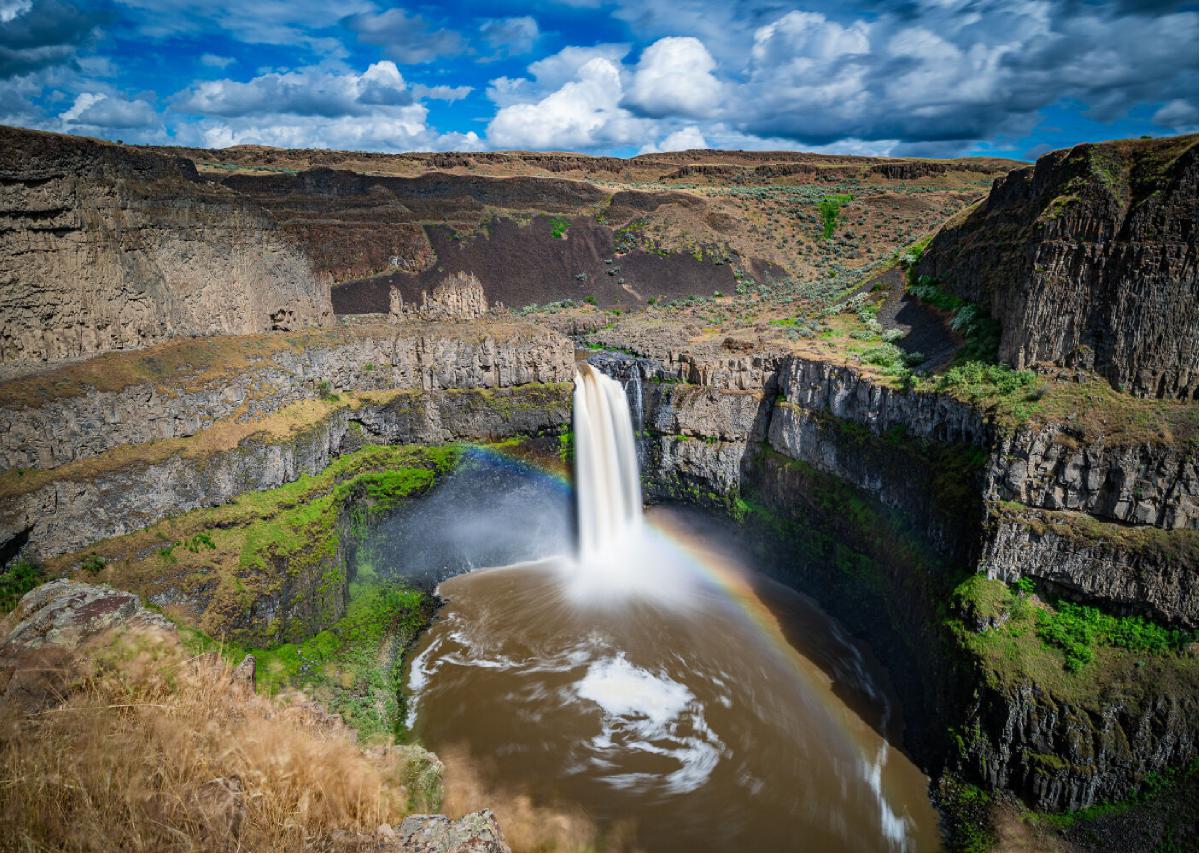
{"x":325,"y":391}
{"x":1077,"y":630}
{"x":93,"y":563}
{"x":558,"y":226}
{"x":829,"y":208}
{"x":978,"y":380}
{"x":590,"y":300}
{"x":196,"y":541}
{"x":885,"y":356}
{"x":16,"y":580}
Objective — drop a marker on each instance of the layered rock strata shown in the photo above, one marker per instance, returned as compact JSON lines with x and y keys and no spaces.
{"x":74,"y":412}
{"x":109,"y":248}
{"x":1088,"y":260}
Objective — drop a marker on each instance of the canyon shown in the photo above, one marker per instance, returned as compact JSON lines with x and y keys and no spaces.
{"x":219,"y":370}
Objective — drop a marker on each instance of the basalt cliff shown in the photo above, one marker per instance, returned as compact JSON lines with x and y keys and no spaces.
{"x":960,"y":411}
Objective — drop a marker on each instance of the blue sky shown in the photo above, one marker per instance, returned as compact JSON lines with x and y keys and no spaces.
{"x":893,"y":77}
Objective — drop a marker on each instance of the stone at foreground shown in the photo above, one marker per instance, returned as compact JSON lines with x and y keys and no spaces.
{"x":473,"y":832}
{"x":39,"y":637}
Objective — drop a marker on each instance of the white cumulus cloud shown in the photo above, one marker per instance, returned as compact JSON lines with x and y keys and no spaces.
{"x":583,"y":113}
{"x":510,"y":36}
{"x":680,"y":140}
{"x":675,"y":77}
{"x":375,"y":110}
{"x":97,"y":110}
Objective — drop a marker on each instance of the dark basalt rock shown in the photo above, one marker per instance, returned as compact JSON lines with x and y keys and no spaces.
{"x":1088,"y":260}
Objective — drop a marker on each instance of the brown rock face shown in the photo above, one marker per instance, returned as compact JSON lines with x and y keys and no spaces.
{"x":460,"y":296}
{"x":104,"y":247}
{"x":1088,"y":260}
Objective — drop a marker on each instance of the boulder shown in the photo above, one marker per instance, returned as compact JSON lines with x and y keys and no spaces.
{"x":39,"y":638}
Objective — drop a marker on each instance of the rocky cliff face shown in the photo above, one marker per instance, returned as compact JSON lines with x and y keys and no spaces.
{"x":1088,"y":260}
{"x":1140,"y":570}
{"x":1065,"y":753}
{"x":107,"y":248}
{"x":1137,"y":483}
{"x":56,"y":417}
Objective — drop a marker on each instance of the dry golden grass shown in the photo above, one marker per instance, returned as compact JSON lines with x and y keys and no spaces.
{"x":155,"y":751}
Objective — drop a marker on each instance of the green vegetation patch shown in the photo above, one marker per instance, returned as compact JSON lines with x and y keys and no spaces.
{"x":1079,"y":654}
{"x":1077,"y":630}
{"x":250,"y":547}
{"x":355,"y":667}
{"x":966,"y":808}
{"x":980,"y":331}
{"x":300,"y":517}
{"x":829,"y":208}
{"x":559,"y":227}
{"x":1010,"y":396}
{"x":16,"y":580}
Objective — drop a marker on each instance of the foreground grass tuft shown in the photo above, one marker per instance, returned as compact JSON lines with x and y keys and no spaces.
{"x":158,"y":751}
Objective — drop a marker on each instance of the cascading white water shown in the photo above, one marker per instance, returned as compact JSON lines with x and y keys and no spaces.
{"x":608,"y":489}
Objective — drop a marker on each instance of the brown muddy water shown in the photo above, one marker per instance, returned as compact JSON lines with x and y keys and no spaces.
{"x":731,"y":715}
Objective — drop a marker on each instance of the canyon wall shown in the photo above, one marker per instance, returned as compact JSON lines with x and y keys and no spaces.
{"x":177,"y":389}
{"x":1088,"y":260}
{"x":109,"y":248}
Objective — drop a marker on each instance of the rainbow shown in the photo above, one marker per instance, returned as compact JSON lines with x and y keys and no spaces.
{"x":723,"y":573}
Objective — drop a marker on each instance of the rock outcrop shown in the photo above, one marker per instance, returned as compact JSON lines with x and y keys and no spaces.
{"x":459,"y":296}
{"x":1088,"y":260}
{"x":429,"y":832}
{"x":1129,"y":569}
{"x":473,"y":832}
{"x":1140,"y":483}
{"x":42,"y":634}
{"x":110,"y":248}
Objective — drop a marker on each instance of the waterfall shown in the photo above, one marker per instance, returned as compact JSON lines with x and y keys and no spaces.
{"x":607,"y":485}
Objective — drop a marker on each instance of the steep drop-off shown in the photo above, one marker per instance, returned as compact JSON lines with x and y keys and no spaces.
{"x":104,"y":247}
{"x":882,"y":502}
{"x":1088,"y":260}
